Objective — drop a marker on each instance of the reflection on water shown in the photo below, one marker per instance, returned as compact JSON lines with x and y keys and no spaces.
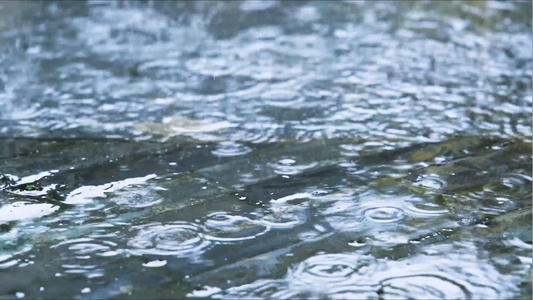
{"x":269,"y":149}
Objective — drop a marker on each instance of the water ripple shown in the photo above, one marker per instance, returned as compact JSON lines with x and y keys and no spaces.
{"x":424,"y":287}
{"x":288,"y":166}
{"x":176,"y":238}
{"x":336,"y":276}
{"x":225,"y":227}
{"x":356,"y":212}
{"x":332,"y":270}
{"x":419,"y":207}
{"x":384,"y":214}
{"x":229,"y":149}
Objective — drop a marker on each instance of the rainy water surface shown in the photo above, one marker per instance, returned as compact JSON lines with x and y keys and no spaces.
{"x":265,"y":149}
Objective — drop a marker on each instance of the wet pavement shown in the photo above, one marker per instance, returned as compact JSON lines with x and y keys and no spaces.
{"x":309,"y":149}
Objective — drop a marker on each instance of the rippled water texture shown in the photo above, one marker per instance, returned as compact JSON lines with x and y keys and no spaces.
{"x":268,"y":149}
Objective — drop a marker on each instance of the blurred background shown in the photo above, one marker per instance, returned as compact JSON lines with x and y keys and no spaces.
{"x":389,"y":72}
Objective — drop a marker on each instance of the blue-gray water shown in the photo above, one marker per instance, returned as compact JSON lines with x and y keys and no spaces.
{"x":309,"y":149}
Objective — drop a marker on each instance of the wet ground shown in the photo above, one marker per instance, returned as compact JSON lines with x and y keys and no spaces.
{"x":265,"y":149}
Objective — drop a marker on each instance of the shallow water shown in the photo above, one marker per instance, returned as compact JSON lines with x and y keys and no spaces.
{"x":265,"y":149}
